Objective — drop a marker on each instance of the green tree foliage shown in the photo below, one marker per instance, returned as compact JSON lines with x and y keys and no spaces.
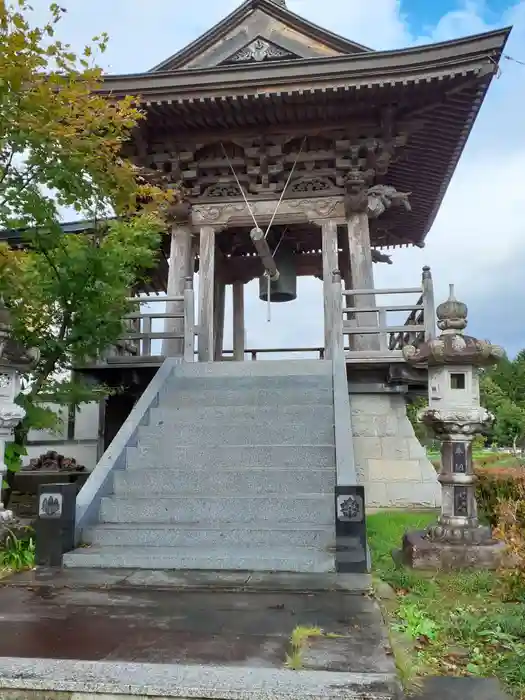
{"x":503,"y":394}
{"x":60,"y":146}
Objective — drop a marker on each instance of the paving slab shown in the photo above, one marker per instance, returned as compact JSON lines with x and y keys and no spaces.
{"x":201,"y":627}
{"x":190,"y":635}
{"x":461,"y":689}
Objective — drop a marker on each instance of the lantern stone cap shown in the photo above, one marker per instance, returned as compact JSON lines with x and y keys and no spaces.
{"x":13,"y":355}
{"x":452,"y":346}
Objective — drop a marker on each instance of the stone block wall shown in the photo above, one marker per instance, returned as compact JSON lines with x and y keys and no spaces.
{"x":390,"y":461}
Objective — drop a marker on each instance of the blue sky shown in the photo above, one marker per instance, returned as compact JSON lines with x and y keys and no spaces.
{"x":422,"y":15}
{"x":477,"y":241}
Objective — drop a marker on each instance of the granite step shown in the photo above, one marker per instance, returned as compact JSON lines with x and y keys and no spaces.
{"x":271,"y":368}
{"x":224,"y":481}
{"x":316,"y":509}
{"x":210,"y":535}
{"x":259,"y":395}
{"x":157,"y":457}
{"x":211,"y":559}
{"x":164,"y":433}
{"x":242,"y":413}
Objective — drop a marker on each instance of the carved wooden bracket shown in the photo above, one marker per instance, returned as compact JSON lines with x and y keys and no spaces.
{"x":312,"y":209}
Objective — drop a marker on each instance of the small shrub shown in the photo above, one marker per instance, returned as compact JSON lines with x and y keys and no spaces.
{"x":511,"y":529}
{"x":486,"y":458}
{"x":498,"y":485}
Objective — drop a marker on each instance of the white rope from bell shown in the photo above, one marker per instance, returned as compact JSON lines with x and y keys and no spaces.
{"x":239,"y":186}
{"x":285,"y":187}
{"x":268,"y":300}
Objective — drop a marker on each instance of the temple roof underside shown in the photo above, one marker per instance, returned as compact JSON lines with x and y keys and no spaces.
{"x":400,"y":118}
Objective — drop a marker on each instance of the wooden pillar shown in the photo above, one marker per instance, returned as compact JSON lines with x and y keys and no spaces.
{"x":238,"y":321}
{"x":206,"y":292}
{"x":330,"y":265}
{"x":181,"y":266}
{"x":361,"y":268}
{"x":218,"y":317}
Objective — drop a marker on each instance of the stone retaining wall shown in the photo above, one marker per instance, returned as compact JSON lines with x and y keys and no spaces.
{"x":390,"y":461}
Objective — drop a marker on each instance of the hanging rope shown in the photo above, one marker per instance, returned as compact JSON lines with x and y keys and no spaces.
{"x":268,"y":300}
{"x":285,"y":187}
{"x":239,"y":185}
{"x":252,"y":214}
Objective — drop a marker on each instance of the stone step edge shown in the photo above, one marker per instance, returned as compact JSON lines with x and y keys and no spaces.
{"x":200,"y":551}
{"x":199,"y":580}
{"x":251,"y":446}
{"x":258,"y":497}
{"x":212,"y":526}
{"x":174,"y":681}
{"x":226,"y":469}
{"x":168,"y":406}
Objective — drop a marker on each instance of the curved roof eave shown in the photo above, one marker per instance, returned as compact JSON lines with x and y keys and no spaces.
{"x":396,"y":65}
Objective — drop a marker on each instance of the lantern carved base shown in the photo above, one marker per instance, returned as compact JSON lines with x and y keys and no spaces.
{"x":477,"y":534}
{"x":419,"y":551}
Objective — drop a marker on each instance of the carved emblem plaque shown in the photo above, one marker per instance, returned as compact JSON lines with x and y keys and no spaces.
{"x":50,"y":505}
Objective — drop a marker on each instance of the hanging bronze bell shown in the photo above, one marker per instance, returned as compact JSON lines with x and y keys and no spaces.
{"x":284,"y":288}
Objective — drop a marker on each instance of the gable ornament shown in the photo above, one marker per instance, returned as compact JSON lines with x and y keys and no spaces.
{"x":259,"y":50}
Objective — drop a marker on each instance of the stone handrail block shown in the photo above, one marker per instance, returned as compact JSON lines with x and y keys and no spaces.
{"x":100,"y":481}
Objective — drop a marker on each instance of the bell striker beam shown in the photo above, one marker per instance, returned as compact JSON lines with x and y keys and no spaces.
{"x":206,"y":293}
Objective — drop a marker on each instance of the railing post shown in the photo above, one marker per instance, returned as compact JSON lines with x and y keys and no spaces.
{"x":383,"y":334}
{"x":146,"y":341}
{"x":429,"y":306}
{"x":338,"y":344}
{"x":189,"y":321}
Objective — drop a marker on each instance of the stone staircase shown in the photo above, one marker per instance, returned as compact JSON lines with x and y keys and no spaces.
{"x":234,"y":470}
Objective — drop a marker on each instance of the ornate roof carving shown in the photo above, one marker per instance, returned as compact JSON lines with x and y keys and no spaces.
{"x":259,"y":50}
{"x":269,"y":20}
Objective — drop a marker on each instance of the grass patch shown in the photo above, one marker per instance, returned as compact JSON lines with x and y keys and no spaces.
{"x":298,"y":641}
{"x":449,"y":624}
{"x":18,"y":552}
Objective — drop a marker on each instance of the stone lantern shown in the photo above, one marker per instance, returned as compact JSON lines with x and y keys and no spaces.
{"x":13,"y":359}
{"x":455,"y":416}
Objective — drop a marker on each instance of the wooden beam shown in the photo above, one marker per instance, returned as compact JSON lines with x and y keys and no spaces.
{"x":330,"y":265}
{"x":206,"y":292}
{"x":263,"y":251}
{"x":361,"y":268}
{"x":238,"y":321}
{"x":180,"y":267}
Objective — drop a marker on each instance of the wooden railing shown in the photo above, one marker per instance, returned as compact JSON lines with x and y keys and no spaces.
{"x":367,"y":325}
{"x":142,"y":341}
{"x":254,"y":353}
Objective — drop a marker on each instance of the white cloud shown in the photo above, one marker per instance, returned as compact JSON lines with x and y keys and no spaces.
{"x":477,"y":238}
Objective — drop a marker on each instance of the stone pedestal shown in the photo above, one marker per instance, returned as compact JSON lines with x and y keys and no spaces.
{"x":420,"y":552}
